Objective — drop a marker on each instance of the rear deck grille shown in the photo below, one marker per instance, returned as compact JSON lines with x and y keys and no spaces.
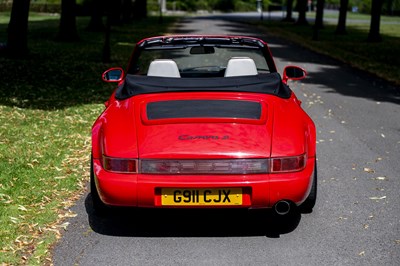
{"x":204,"y":109}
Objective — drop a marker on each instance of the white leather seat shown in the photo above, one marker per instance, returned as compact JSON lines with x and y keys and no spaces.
{"x":163,"y":68}
{"x":240,"y":66}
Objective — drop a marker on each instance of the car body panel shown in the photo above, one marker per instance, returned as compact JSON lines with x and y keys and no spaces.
{"x":262,"y":191}
{"x":139,"y":128}
{"x":206,"y":137}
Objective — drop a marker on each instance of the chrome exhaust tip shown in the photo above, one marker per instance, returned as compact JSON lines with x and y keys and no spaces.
{"x":282,"y":207}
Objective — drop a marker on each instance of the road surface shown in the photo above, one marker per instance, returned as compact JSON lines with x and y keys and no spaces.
{"x":357,"y":217}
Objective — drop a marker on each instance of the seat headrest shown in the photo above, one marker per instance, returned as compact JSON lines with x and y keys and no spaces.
{"x":241,"y":66}
{"x":163,"y":68}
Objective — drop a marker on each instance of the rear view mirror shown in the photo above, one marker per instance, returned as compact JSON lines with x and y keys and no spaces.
{"x":293,"y":73}
{"x":202,"y":50}
{"x":113,"y":75}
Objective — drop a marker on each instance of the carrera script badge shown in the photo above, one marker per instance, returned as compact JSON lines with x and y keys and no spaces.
{"x":203,"y":137}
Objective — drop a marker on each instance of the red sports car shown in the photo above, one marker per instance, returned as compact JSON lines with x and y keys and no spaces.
{"x":203,"y":122}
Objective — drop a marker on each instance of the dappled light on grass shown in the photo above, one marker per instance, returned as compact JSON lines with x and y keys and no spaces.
{"x":48,"y":103}
{"x":44,"y":162}
{"x":59,"y":75}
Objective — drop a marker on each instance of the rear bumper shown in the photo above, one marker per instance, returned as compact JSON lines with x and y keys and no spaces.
{"x":259,"y":191}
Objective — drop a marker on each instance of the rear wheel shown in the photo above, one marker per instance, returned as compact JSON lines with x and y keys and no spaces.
{"x":98,"y":206}
{"x":308,"y":205}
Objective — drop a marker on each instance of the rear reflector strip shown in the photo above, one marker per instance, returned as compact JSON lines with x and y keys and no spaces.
{"x":236,"y":166}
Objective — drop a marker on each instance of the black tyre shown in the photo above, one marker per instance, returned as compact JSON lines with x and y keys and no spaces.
{"x":308,"y":205}
{"x":98,"y":206}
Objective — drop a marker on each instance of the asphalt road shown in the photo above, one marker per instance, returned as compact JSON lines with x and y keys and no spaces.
{"x":357,"y":217}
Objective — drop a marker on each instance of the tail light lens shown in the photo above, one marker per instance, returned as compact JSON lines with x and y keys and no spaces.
{"x":217,"y":166}
{"x":288,"y":164}
{"x":120,"y":165}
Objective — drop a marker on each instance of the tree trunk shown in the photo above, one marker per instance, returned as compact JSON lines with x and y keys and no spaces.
{"x":67,"y":31}
{"x":96,"y":18}
{"x":140,"y":9}
{"x":341,"y":26}
{"x":107,"y":47}
{"x":390,"y":7}
{"x":127,"y":10}
{"x":302,"y":6}
{"x":374,"y":30}
{"x":289,"y":11}
{"x":319,"y":19}
{"x":17,"y":42}
{"x":114,"y":11}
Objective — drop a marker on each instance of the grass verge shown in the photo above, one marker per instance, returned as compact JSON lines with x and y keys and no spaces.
{"x":380,"y":59}
{"x":48,"y":103}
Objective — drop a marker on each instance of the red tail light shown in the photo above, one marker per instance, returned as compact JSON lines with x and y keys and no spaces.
{"x":288,"y":164}
{"x":233,"y":166}
{"x":120,"y":165}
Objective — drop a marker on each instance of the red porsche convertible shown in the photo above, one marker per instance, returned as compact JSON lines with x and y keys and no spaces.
{"x":203,"y":122}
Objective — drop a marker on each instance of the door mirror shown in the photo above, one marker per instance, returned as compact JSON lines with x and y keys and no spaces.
{"x":113,"y":75}
{"x":293,"y":73}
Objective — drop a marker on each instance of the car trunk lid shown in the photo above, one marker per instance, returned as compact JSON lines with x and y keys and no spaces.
{"x":203,"y":125}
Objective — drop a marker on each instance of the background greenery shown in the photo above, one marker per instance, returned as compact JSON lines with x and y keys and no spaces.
{"x":48,"y":103}
{"x":364,"y":6}
{"x":379,"y":58}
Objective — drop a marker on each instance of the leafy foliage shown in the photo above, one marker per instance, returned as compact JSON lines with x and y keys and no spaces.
{"x":210,"y":5}
{"x":390,"y":7}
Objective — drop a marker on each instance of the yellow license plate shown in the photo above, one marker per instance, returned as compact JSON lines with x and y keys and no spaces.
{"x":201,"y":197}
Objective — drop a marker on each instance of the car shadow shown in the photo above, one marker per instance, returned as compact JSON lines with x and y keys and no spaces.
{"x":133,"y":222}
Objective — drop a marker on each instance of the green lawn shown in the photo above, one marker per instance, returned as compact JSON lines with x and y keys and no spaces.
{"x":380,"y":59}
{"x":353,"y":16}
{"x":48,"y":103}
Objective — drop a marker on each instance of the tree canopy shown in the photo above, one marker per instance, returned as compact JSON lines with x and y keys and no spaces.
{"x":126,"y":10}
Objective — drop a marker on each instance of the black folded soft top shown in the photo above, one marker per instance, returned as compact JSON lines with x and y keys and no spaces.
{"x":262,"y":83}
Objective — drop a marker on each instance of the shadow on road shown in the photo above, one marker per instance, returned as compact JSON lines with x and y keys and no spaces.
{"x":132,"y":222}
{"x":334,"y":76}
{"x":327,"y":73}
{"x":209,"y":23}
